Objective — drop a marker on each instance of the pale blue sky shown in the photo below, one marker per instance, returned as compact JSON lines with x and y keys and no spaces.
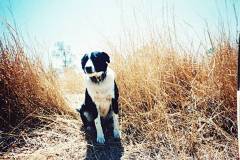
{"x":88,"y":25}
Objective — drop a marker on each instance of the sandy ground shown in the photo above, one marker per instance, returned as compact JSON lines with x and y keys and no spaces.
{"x":64,"y":138}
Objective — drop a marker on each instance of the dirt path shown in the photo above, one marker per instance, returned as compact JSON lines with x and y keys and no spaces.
{"x":64,"y":138}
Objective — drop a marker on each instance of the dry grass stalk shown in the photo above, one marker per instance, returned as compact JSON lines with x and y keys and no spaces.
{"x":26,"y":93}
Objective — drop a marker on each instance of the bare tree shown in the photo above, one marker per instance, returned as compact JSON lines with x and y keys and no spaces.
{"x":63,"y":52}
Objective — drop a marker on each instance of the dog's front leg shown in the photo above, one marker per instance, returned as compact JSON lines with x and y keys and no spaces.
{"x":116,"y":132}
{"x":100,"y":135}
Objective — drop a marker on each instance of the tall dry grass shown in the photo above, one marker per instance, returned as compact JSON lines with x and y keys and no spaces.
{"x":27,"y":93}
{"x":173,"y":106}
{"x":177,"y":106}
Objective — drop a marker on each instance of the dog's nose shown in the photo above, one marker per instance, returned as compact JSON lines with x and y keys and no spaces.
{"x":88,"y":69}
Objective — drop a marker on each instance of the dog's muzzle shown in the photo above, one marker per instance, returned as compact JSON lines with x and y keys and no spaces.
{"x":95,"y":74}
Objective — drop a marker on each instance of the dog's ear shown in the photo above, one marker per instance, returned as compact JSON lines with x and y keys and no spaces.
{"x":105,"y":57}
{"x":84,"y":60}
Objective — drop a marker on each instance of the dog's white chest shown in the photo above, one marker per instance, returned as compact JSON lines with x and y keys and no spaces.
{"x":102,"y":94}
{"x":103,"y":100}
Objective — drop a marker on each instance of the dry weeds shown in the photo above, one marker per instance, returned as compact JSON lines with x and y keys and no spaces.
{"x":179,"y":106}
{"x":26,"y":93}
{"x":172,"y":107}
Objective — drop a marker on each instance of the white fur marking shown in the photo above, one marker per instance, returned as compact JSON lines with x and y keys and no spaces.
{"x":96,"y":74}
{"x":90,"y":64}
{"x":100,"y":136}
{"x":116,"y":132}
{"x":102,"y":93}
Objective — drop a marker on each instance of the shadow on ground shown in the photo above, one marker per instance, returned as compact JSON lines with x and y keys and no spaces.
{"x":111,"y":150}
{"x":14,"y":136}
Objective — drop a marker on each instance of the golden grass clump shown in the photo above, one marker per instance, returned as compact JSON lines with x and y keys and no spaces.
{"x":178,"y":105}
{"x":27,"y":93}
{"x":224,"y":72}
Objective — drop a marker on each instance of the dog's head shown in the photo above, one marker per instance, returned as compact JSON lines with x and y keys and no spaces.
{"x":95,"y":64}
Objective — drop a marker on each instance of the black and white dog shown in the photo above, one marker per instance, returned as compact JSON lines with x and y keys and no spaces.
{"x":101,"y":95}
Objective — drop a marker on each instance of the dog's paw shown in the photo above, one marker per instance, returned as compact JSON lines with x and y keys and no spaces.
{"x":100,"y":139}
{"x":116,"y":134}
